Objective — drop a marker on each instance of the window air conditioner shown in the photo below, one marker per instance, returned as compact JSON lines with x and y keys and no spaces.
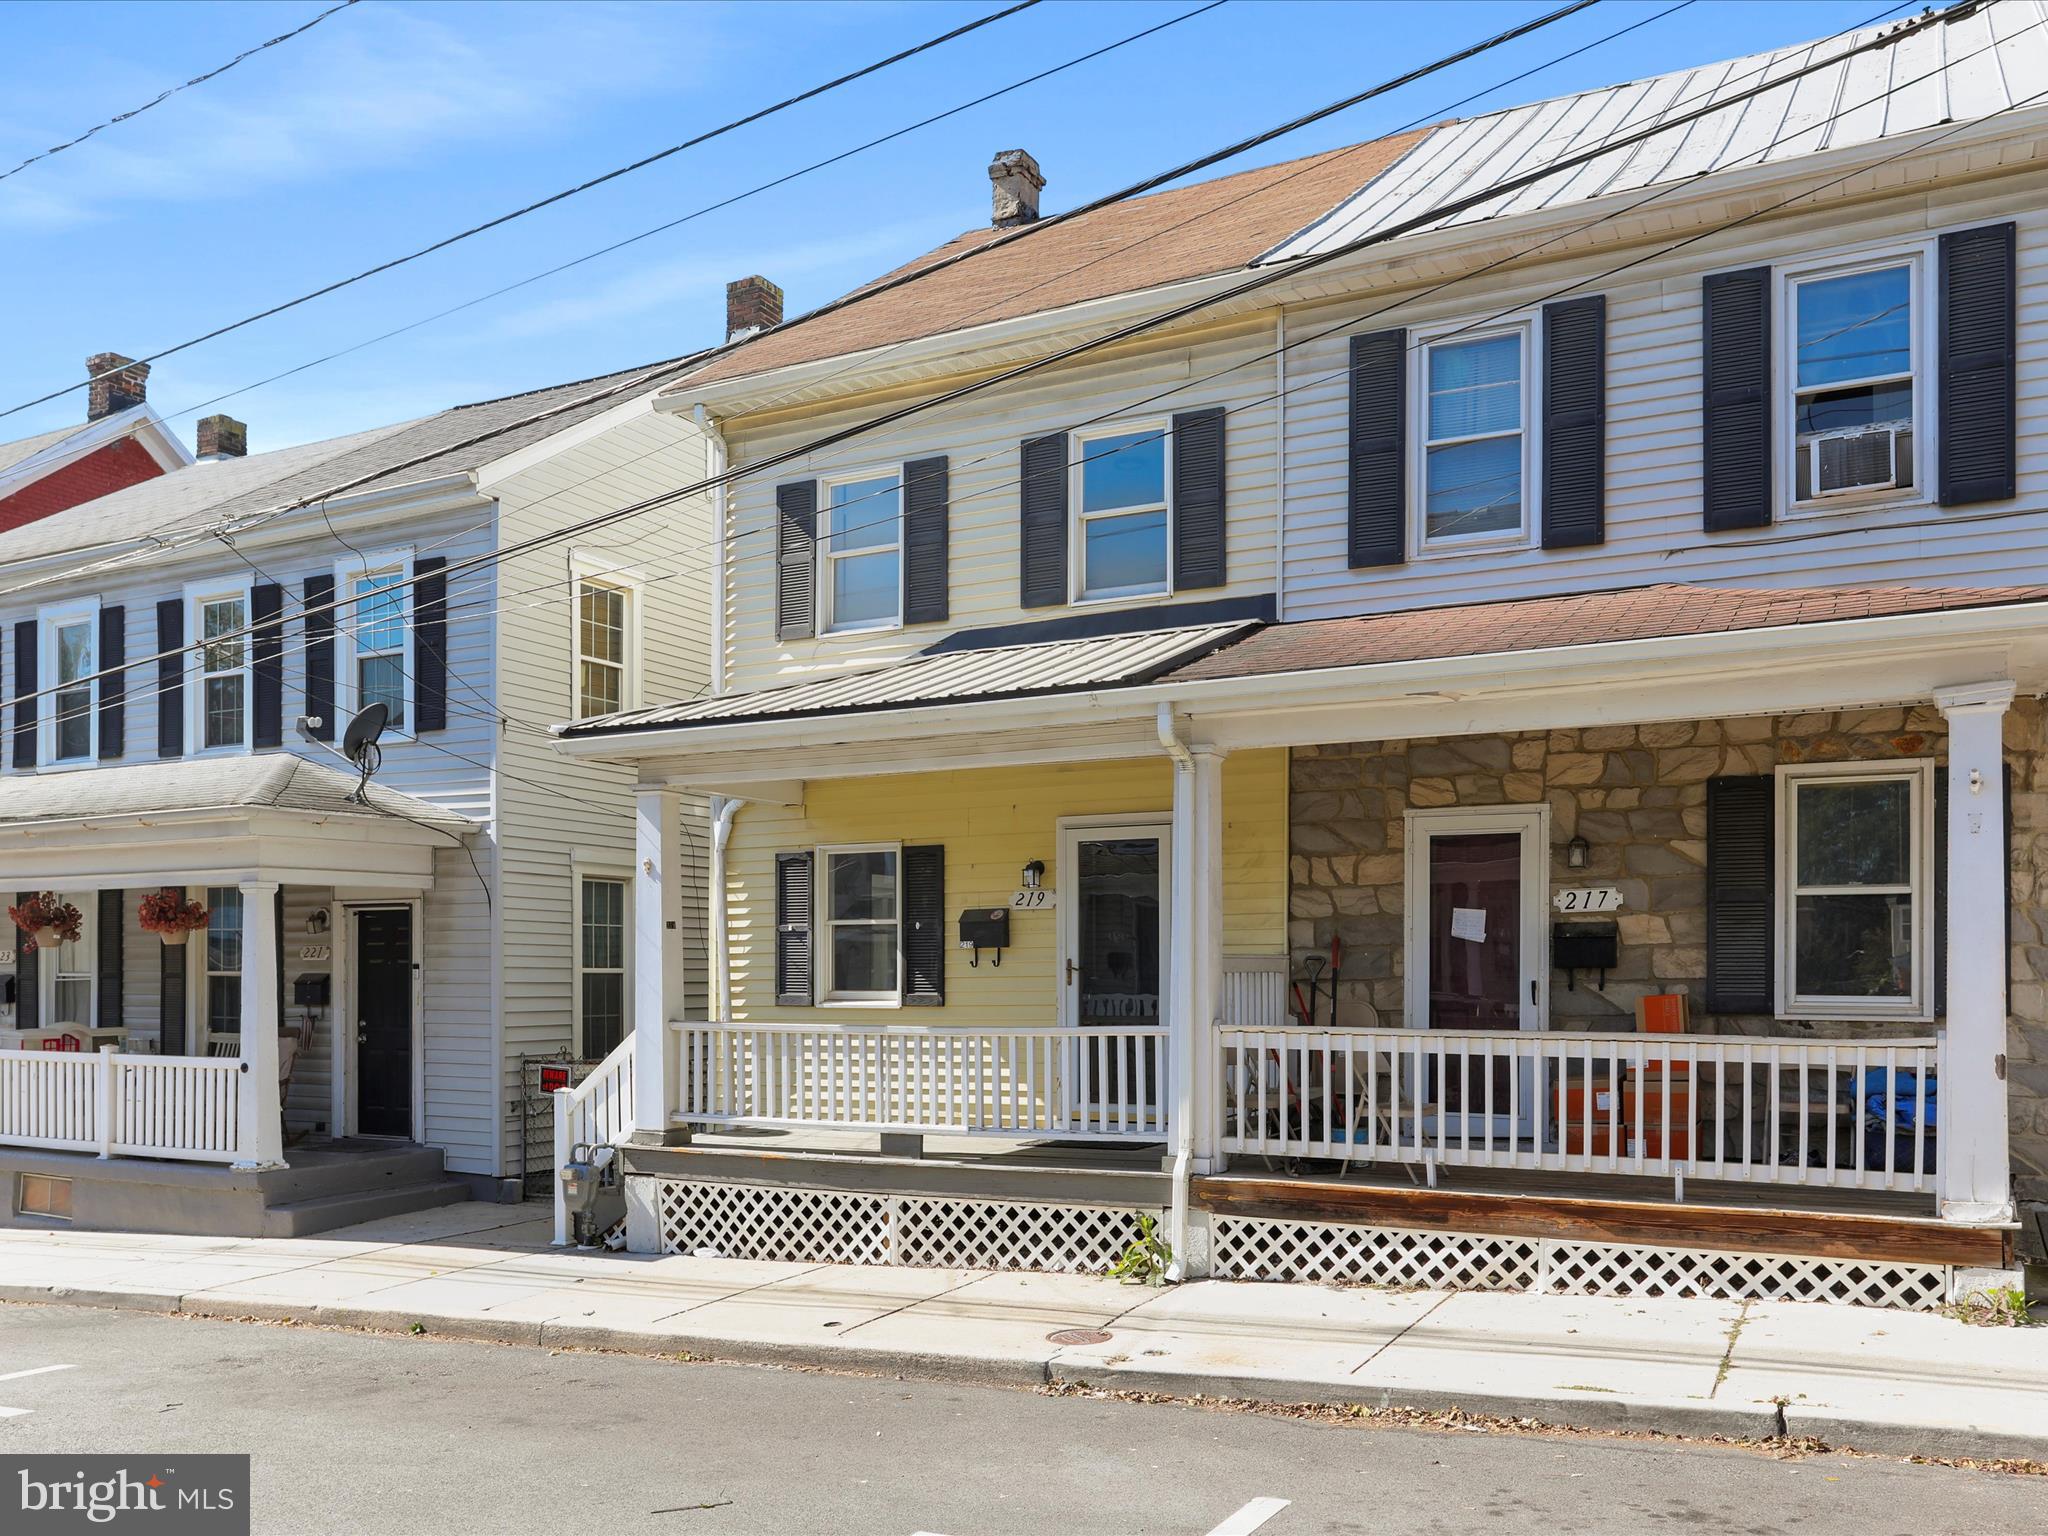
{"x":1864,"y":460}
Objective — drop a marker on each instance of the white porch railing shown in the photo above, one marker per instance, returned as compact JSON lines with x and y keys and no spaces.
{"x":1835,"y":1113}
{"x":596,"y":1112}
{"x":1101,"y":1083}
{"x":182,"y":1107}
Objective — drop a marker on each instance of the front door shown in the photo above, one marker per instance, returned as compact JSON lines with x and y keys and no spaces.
{"x":383,"y":998}
{"x":1476,"y":883}
{"x":1114,"y":936}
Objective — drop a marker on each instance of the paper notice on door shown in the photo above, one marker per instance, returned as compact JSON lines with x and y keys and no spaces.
{"x":1469,"y":923}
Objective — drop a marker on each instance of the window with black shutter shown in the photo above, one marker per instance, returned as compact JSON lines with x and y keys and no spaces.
{"x":1735,"y":400}
{"x":25,"y":710}
{"x":1200,"y":531}
{"x":793,"y":917}
{"x":1978,"y":347}
{"x":430,"y":643}
{"x":318,"y":593}
{"x":1741,"y":882}
{"x":113,"y":682}
{"x":1575,"y":422}
{"x":924,"y":925}
{"x":796,"y":540}
{"x":927,"y":541}
{"x":170,"y":677}
{"x":1376,"y":518}
{"x":1042,"y":522}
{"x":266,"y":614}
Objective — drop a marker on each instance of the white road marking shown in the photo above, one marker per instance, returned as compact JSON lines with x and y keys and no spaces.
{"x":1250,"y":1518}
{"x":40,"y":1370}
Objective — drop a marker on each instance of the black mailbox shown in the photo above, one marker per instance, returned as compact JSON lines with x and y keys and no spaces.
{"x":985,"y":928}
{"x":311,"y":991}
{"x":1578,"y":947}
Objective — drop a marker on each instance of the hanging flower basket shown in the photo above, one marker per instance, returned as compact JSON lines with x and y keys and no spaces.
{"x":48,"y":920}
{"x":168,"y":915}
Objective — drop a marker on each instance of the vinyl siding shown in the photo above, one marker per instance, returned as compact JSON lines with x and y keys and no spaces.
{"x":991,"y":821}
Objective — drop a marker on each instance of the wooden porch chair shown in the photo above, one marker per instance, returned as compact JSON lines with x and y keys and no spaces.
{"x":1381,"y":1100}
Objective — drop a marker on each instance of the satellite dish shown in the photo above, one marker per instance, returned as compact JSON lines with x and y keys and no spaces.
{"x":359,"y":745}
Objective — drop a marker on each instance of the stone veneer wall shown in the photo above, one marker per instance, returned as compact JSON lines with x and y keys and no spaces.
{"x":1637,"y":794}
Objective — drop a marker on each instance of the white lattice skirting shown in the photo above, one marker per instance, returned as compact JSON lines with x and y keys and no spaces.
{"x":1252,"y":1248}
{"x":816,"y":1226}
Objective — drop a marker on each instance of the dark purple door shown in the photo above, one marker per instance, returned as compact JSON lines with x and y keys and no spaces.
{"x":1475,"y":951}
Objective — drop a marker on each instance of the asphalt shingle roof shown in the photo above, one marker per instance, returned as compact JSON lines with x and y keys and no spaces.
{"x":276,"y":781}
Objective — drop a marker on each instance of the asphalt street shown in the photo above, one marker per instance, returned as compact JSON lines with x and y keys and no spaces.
{"x":358,"y":1433}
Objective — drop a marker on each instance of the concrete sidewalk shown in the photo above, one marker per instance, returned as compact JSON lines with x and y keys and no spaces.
{"x":1867,"y":1379}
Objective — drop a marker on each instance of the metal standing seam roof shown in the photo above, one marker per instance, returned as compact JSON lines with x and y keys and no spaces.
{"x":265,"y":781}
{"x":1009,"y":671}
{"x":1980,"y":63}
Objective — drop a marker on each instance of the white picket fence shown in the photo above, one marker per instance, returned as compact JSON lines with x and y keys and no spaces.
{"x":182,"y":1107}
{"x":596,"y":1112}
{"x":1840,"y":1113}
{"x":1099,"y":1083}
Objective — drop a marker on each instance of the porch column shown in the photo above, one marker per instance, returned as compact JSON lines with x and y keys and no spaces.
{"x":1974,"y":1179}
{"x":1195,"y":938}
{"x":261,"y":1130}
{"x":656,"y":901}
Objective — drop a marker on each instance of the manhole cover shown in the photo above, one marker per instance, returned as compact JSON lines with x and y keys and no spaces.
{"x":1078,"y":1336}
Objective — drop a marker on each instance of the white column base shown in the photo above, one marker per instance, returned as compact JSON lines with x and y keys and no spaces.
{"x":643,"y":1226}
{"x":1976,"y":1213}
{"x":1965,"y":1283}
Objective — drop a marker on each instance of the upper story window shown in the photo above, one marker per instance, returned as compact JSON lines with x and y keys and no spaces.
{"x":862,"y":553}
{"x":1475,"y":454}
{"x":600,"y":648}
{"x":70,"y":651}
{"x":221,"y":701}
{"x":1855,"y":903}
{"x":1121,"y":495}
{"x":862,"y":923}
{"x":1853,"y":360}
{"x":377,"y":634}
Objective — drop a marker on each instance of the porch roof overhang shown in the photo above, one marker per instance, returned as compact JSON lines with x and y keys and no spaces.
{"x":217,"y":821}
{"x":1648,"y":654}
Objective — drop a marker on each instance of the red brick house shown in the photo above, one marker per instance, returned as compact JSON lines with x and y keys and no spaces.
{"x":123,"y":441}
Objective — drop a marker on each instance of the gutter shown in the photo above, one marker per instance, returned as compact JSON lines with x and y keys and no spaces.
{"x":724,"y":812}
{"x":715,"y":463}
{"x":1183,"y":1069}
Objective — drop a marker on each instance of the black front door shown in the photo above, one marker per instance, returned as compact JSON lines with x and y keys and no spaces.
{"x":384,"y":1023}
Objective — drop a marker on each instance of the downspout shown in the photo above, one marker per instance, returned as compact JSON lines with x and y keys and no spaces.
{"x":723,"y":810}
{"x":716,"y":465}
{"x":1183,"y":1076}
{"x":1280,"y":461}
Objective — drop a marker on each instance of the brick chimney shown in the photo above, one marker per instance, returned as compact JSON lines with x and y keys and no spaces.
{"x":1015,"y":182}
{"x":752,"y":304}
{"x":126,"y":384}
{"x":222,"y":437}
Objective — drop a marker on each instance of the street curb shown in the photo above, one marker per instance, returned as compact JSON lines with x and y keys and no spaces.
{"x":1944,"y":1440}
{"x":88,"y":1296}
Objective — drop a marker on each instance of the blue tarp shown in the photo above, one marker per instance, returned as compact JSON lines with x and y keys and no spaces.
{"x":1872,"y":1097}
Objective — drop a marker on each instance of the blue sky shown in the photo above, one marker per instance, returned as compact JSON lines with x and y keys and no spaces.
{"x":393,"y":123}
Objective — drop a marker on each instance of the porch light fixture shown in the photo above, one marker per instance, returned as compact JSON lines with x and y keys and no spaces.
{"x":1576,"y":852}
{"x":317,"y":920}
{"x":1033,"y":873}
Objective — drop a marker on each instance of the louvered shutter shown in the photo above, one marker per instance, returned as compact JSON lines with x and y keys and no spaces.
{"x":266,"y":651}
{"x":113,"y":682}
{"x":927,"y":541}
{"x":1199,"y":555}
{"x":25,"y":694}
{"x":793,"y":913}
{"x":430,"y":644}
{"x":1376,"y":530}
{"x":28,"y":996}
{"x":1741,"y":894}
{"x":319,"y":608}
{"x":1042,"y":522}
{"x":1735,"y":400}
{"x":108,"y":936}
{"x":171,"y":997}
{"x":1575,"y":423}
{"x":796,"y":560}
{"x":924,"y":926}
{"x":1978,"y":419}
{"x":170,"y":678}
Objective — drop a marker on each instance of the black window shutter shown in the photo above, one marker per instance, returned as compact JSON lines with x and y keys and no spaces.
{"x":319,"y":609}
{"x":277,"y":944}
{"x":28,"y":997}
{"x":107,"y":937}
{"x":1575,"y":422}
{"x":1741,"y":894}
{"x":25,"y":694}
{"x":171,"y":1004}
{"x":170,"y":677}
{"x":1978,"y":428}
{"x":927,"y":541}
{"x":266,"y":619}
{"x":430,"y":644}
{"x":793,"y":967}
{"x":924,"y":926}
{"x":796,"y":560}
{"x":1735,"y":400}
{"x":1377,"y":532}
{"x":114,"y":682}
{"x":1042,"y":522}
{"x":1199,"y":555}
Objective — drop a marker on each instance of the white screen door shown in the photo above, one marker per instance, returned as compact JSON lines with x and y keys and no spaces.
{"x":1113,"y":965}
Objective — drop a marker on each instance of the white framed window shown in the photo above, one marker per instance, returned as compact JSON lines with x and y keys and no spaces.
{"x":221,"y":983}
{"x":67,"y":658}
{"x":374,"y":624}
{"x":860,"y":918}
{"x":605,"y":620}
{"x":1122,"y":496}
{"x":1474,"y":405}
{"x":860,"y":552}
{"x":1853,"y":360}
{"x":1855,"y":901}
{"x":219,"y":700}
{"x":603,"y":944}
{"x":70,"y":984}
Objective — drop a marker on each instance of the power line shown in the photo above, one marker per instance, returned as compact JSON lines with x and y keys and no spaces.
{"x":165,"y":95}
{"x":545,"y":202}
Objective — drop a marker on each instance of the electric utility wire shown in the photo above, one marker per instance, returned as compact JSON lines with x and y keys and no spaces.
{"x":546,"y":202}
{"x":165,"y":95}
{"x":1263,"y":279}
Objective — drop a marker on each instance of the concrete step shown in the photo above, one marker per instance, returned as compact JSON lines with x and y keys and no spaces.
{"x":324,"y":1213}
{"x":346,"y":1169}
